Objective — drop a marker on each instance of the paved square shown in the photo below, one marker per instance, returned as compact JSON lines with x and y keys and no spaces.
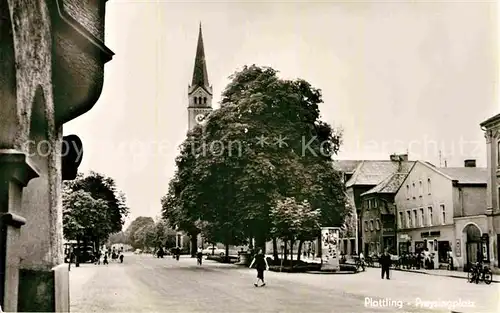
{"x":147,"y":284}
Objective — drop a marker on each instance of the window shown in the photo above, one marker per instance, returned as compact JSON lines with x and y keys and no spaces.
{"x":407,"y":192}
{"x":366,"y":225}
{"x":400,"y":222}
{"x":429,"y":185}
{"x":205,"y":100}
{"x":377,"y":224}
{"x":371,"y":225}
{"x":422,"y":217}
{"x":195,"y":100}
{"x":429,"y":213}
{"x":443,"y":214}
{"x":415,"y":218}
{"x":408,"y":219}
{"x":413,"y":191}
{"x":369,"y":204}
{"x":375,"y":203}
{"x":420,"y":189}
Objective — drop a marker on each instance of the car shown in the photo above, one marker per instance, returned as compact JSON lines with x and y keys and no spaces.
{"x":137,"y":251}
{"x":213,"y":251}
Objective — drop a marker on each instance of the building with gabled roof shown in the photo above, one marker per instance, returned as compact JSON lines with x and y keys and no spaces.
{"x":435,"y":207}
{"x":378,"y":222}
{"x":361,"y":176}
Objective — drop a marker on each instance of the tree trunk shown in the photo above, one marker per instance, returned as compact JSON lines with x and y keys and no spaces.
{"x":319,"y":248}
{"x":291,"y":251}
{"x":285,"y":245}
{"x":261,"y":243}
{"x":299,"y":251}
{"x":226,"y":255}
{"x":275,"y":249}
{"x":77,"y":253}
{"x":194,"y":245}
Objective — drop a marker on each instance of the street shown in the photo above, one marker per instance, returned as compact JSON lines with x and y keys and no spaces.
{"x":147,"y":284}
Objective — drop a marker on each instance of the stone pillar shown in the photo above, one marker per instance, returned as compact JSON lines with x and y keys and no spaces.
{"x":15,"y":173}
{"x":492,"y":205}
{"x":491,"y":202}
{"x":52,"y":59}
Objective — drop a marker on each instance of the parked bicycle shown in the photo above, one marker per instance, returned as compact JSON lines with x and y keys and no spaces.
{"x":479,"y":272}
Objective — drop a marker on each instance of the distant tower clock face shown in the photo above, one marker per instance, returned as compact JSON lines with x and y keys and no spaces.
{"x":200,"y":118}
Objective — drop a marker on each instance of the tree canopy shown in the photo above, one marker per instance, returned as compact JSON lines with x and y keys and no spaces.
{"x":266,"y":143}
{"x":93,"y":208}
{"x":145,"y":233}
{"x":293,"y":221}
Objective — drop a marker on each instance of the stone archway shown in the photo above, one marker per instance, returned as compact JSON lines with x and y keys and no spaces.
{"x":472,"y":238}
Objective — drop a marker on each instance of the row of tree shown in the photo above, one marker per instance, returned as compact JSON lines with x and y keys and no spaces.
{"x":144,"y":233}
{"x":259,"y":167}
{"x":93,"y":209}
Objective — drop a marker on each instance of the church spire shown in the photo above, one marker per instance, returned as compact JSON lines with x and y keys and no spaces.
{"x":200,"y":74}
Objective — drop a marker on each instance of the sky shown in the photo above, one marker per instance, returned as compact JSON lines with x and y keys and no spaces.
{"x":397,"y":77}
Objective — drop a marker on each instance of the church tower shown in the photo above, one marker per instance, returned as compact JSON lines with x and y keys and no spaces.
{"x":200,"y":91}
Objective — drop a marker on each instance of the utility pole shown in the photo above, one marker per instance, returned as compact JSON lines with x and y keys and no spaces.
{"x":439,"y":158}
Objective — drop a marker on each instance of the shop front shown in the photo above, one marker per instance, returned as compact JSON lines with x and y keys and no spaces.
{"x":437,"y":241}
{"x":404,"y":244}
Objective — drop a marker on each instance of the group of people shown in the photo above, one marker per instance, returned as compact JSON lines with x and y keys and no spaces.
{"x":104,"y":255}
{"x":419,"y":260}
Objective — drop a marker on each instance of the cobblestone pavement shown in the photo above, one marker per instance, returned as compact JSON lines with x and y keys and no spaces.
{"x":146,"y":284}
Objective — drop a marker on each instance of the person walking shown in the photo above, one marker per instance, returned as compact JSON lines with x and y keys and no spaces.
{"x":385,"y":264}
{"x":199,"y":256}
{"x":160,"y":253}
{"x":261,"y":265}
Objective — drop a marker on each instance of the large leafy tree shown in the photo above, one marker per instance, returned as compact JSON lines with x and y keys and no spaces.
{"x":145,"y":237}
{"x":144,"y":232}
{"x":102,"y":187}
{"x":133,"y":232}
{"x":267,"y":142}
{"x":104,"y":206}
{"x":84,"y":218}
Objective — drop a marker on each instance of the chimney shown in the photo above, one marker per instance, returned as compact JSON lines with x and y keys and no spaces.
{"x":399,"y":157}
{"x":470,"y":163}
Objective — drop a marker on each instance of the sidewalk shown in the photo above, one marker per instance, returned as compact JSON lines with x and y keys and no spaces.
{"x":446,"y":273}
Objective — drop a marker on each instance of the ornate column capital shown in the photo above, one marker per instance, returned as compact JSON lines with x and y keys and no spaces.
{"x":15,"y":165}
{"x":488,"y":134}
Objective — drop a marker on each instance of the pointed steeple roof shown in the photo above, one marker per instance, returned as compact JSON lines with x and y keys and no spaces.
{"x":200,"y":74}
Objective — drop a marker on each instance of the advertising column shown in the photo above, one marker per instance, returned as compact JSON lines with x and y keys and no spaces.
{"x":329,"y":248}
